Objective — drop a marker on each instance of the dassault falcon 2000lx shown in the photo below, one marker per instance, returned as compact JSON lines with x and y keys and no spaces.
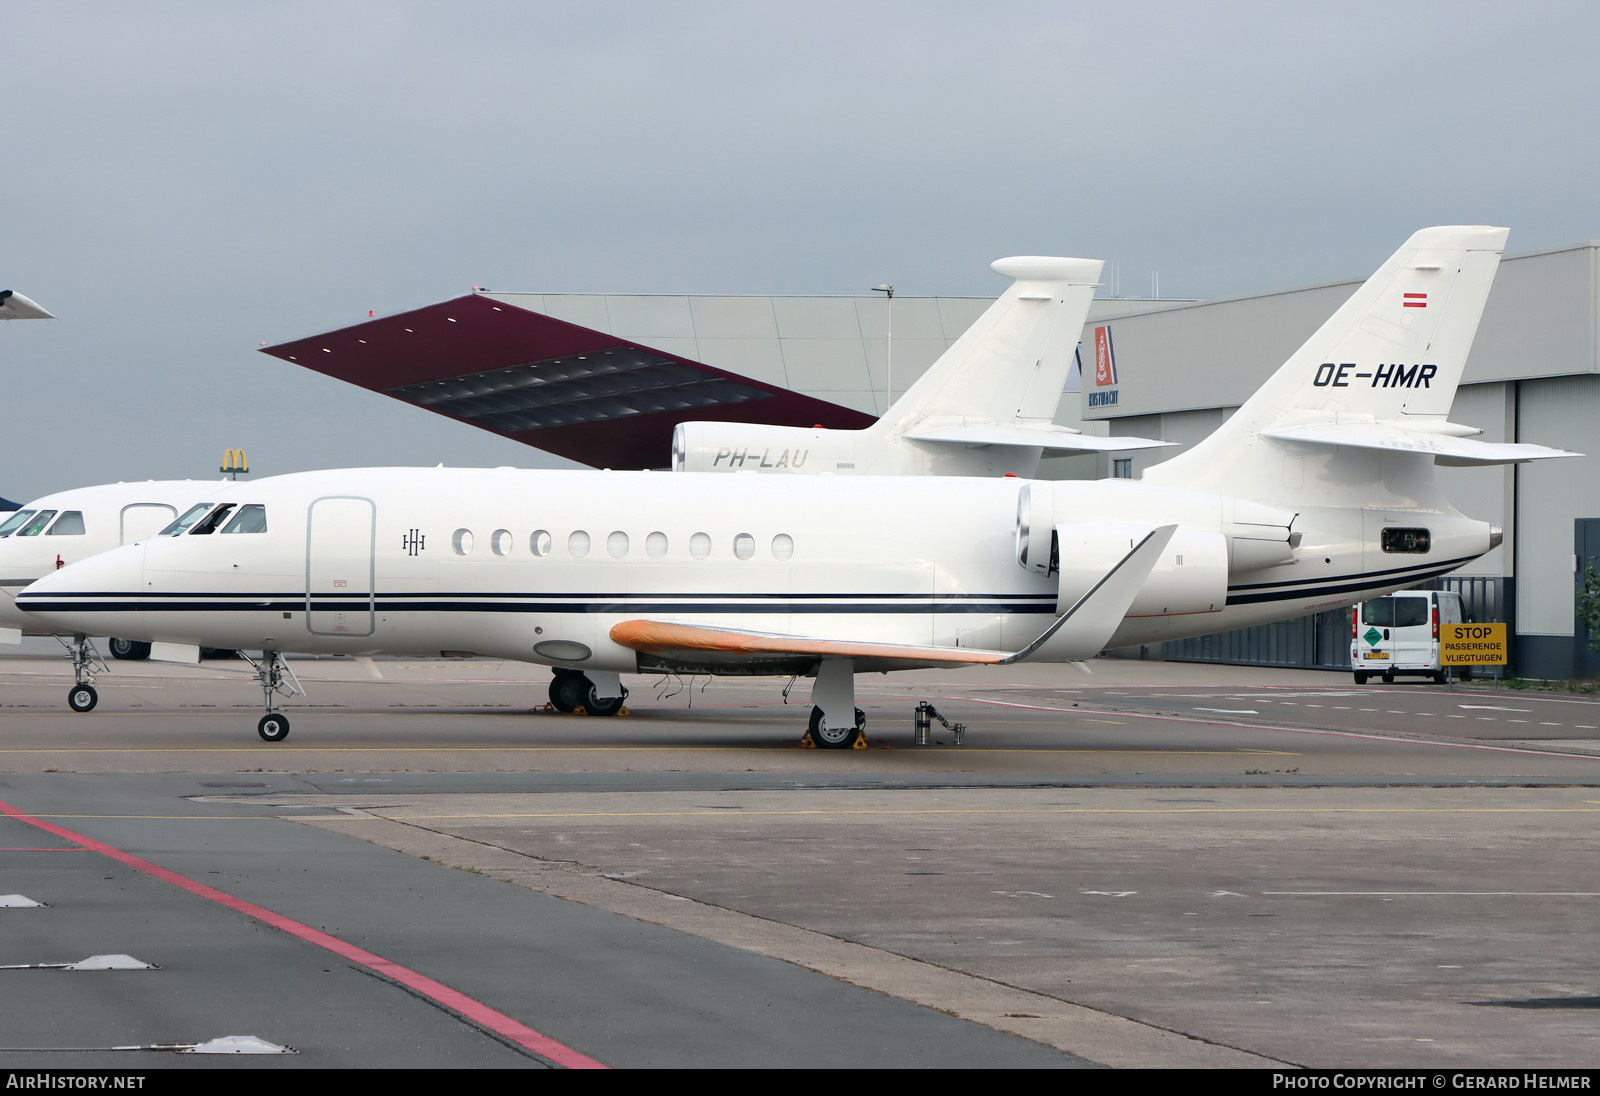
{"x":1318,"y":492}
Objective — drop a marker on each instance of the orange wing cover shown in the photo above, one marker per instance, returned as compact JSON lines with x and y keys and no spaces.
{"x":662,"y":638}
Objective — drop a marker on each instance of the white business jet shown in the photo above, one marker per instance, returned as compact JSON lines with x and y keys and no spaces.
{"x":1007,"y":371}
{"x":51,"y":532}
{"x":1317,"y":493}
{"x":983,"y":409}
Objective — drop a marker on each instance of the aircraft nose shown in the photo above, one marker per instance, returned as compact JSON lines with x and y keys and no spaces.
{"x":90,"y":595}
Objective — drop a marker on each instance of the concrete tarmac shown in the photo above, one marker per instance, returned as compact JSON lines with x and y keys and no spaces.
{"x":1153,"y":865}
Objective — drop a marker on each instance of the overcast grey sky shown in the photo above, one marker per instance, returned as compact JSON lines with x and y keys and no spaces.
{"x":183,"y":181}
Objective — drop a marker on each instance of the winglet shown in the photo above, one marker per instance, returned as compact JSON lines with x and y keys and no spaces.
{"x":1083,"y":630}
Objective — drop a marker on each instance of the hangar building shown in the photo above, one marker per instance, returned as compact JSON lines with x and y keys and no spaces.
{"x":603,"y":378}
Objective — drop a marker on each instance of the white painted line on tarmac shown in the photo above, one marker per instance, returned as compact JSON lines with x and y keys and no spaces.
{"x":1286,"y":730}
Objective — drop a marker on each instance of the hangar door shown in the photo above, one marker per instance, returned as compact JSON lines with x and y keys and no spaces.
{"x":340,"y":532}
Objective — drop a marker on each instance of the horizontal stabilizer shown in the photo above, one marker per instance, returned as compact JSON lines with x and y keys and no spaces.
{"x":1060,"y":438}
{"x":1446,"y":449}
{"x":14,"y":306}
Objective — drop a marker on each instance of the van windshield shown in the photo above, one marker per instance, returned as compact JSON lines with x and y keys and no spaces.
{"x":1395,"y":612}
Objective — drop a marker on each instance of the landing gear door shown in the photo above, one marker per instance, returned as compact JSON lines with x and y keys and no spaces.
{"x":340,"y":584}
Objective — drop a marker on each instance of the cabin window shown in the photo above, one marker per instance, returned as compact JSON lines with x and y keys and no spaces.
{"x":700,"y":545}
{"x":69,"y":524}
{"x":213,"y":520}
{"x":461,"y":542}
{"x":189,"y":517}
{"x":251,"y":518}
{"x":14,"y":521}
{"x":655,"y":545}
{"x":41,"y":518}
{"x":617,"y":544}
{"x":578,"y":544}
{"x":782,"y":546}
{"x":744,"y":545}
{"x":539,"y":542}
{"x":1405,"y":540}
{"x":500,"y":543}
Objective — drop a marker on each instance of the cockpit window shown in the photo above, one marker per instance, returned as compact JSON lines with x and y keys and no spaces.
{"x":36,"y":526}
{"x":212,"y":520}
{"x":14,"y":521}
{"x":251,"y":518}
{"x":188,"y":518}
{"x":69,"y":524}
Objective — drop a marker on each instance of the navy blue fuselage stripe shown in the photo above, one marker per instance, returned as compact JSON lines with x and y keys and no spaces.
{"x":280,"y":595}
{"x":1326,"y":591}
{"x":363,"y":605}
{"x":1426,"y":565}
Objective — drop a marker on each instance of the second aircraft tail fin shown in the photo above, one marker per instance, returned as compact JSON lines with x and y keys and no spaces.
{"x":1010,"y":366}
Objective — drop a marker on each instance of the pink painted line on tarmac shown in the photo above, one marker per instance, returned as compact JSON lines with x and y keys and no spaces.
{"x":454,"y":1000}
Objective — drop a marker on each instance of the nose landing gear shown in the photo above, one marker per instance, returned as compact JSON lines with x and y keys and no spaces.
{"x":86,"y":662}
{"x":276,"y":680}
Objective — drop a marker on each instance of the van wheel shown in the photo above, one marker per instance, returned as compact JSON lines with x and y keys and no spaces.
{"x":1361,"y":678}
{"x":1438,"y":677}
{"x":1388,"y":677}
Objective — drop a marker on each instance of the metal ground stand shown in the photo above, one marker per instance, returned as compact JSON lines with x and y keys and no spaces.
{"x":925,"y":715}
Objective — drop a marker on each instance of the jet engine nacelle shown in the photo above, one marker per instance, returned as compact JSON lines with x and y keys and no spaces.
{"x":1191,"y":575}
{"x":1254,"y":536}
{"x":754,"y":447}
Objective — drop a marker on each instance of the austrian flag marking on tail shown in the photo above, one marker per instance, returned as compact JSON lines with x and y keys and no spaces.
{"x":1415,"y":300}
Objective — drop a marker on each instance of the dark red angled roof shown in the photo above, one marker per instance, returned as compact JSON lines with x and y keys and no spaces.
{"x":568,"y":390}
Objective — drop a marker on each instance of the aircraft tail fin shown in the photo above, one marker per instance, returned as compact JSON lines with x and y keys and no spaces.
{"x":1392,"y":354}
{"x":1011,"y":365}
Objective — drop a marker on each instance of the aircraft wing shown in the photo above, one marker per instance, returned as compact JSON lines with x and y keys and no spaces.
{"x":1446,"y":449}
{"x":696,"y":645}
{"x":1077,"y":634}
{"x":1059,"y":438}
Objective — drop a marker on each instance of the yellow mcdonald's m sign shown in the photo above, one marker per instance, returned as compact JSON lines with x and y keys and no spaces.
{"x":235,"y":461}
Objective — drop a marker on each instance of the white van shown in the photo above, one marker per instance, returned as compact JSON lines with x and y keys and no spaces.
{"x":1399,"y":634}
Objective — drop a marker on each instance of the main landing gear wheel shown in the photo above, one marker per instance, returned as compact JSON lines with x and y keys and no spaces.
{"x":82,"y":698}
{"x":595,"y":705}
{"x":273,"y":727}
{"x":130,"y":650}
{"x":825,"y":737}
{"x":568,"y":689}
